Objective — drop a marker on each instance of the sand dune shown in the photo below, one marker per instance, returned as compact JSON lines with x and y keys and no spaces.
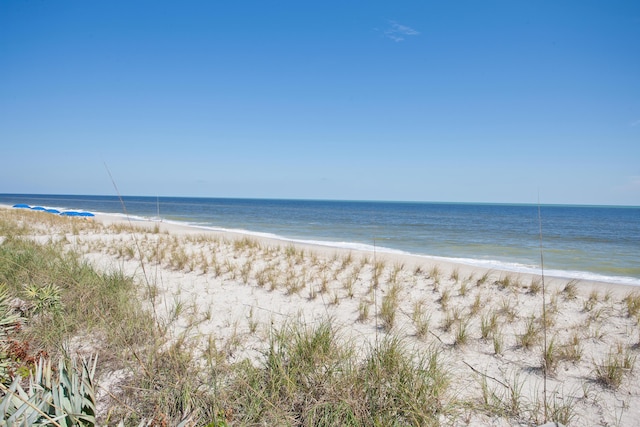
{"x":487,"y":324}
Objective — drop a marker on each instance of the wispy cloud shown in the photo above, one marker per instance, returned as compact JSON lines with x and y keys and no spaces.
{"x":398,"y":32}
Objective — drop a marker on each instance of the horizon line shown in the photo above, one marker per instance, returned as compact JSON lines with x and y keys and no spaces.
{"x":332,"y":200}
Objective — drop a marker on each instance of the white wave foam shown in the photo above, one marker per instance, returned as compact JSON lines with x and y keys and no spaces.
{"x":534,"y":269}
{"x":483,"y":263}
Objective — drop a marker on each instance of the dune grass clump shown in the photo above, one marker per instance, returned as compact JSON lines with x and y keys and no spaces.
{"x":435,"y":274}
{"x":400,"y":391}
{"x":483,"y":279}
{"x":507,"y":309}
{"x":476,"y":306}
{"x":530,"y":335}
{"x":488,"y":324}
{"x":505,"y":282}
{"x":504,"y":398}
{"x":535,"y":286}
{"x":570,"y":290}
{"x":449,"y":319}
{"x":462,"y":334}
{"x":349,"y":282}
{"x":310,"y":377}
{"x":455,"y":275}
{"x":463,"y":289}
{"x":611,"y":371}
{"x":508,"y":398}
{"x":550,"y":357}
{"x":389,"y":307}
{"x":572,"y":349}
{"x":498,"y":342}
{"x":394,"y":274}
{"x":378,"y":268}
{"x":632,"y":303}
{"x":300,"y":368}
{"x":67,"y":295}
{"x":444,"y":298}
{"x":420,"y":319}
{"x":363,"y":310}
{"x":591,"y":301}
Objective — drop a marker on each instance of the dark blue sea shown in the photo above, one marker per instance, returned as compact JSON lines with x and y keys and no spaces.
{"x":583,"y":242}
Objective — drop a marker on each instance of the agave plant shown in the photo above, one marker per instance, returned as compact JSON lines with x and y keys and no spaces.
{"x":44,"y":298}
{"x":63,"y":399}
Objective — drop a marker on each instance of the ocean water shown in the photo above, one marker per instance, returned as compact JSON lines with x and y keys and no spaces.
{"x":582,"y":242}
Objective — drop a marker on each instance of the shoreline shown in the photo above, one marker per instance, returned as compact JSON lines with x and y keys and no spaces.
{"x":584,"y":277}
{"x":412,"y":260}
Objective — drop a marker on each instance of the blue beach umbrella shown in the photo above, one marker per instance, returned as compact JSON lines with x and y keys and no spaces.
{"x":70,"y":213}
{"x":53,"y":211}
{"x":85,"y":214}
{"x":38,"y":208}
{"x":21,"y":205}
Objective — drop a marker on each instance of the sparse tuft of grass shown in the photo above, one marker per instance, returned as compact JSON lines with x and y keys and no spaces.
{"x":488,"y":324}
{"x":611,"y":371}
{"x":455,"y":275}
{"x":607,"y":296}
{"x":389,"y":307}
{"x":535,"y":286}
{"x":476,"y":305}
{"x":444,"y":298}
{"x":550,"y":357}
{"x":498,"y":342}
{"x":462,"y":335}
{"x":572,"y":349}
{"x":463,"y":289}
{"x":507,"y":309}
{"x":570,"y":290}
{"x":378,"y":268}
{"x":422,"y":325}
{"x":632,"y":303}
{"x":530,"y":335}
{"x":448,"y":320}
{"x":505,"y":282}
{"x":245,"y":271}
{"x":397,"y":269}
{"x":252,"y":322}
{"x":483,"y":279}
{"x":435,"y":273}
{"x":363,"y":311}
{"x":591,"y":301}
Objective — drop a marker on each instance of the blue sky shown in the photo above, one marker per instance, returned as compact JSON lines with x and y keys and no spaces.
{"x":464,"y":101}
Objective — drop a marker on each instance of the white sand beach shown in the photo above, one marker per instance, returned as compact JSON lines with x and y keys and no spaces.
{"x":487,"y":324}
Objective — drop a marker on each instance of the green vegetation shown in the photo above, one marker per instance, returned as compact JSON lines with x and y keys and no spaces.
{"x":389,"y":308}
{"x":54,"y":397}
{"x":308,"y":376}
{"x":156,"y":366}
{"x":617,"y":364}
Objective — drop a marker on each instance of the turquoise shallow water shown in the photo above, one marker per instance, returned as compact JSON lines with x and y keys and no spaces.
{"x":585,"y":242}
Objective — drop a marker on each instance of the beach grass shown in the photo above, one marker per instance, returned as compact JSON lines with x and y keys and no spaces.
{"x":358,"y":348}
